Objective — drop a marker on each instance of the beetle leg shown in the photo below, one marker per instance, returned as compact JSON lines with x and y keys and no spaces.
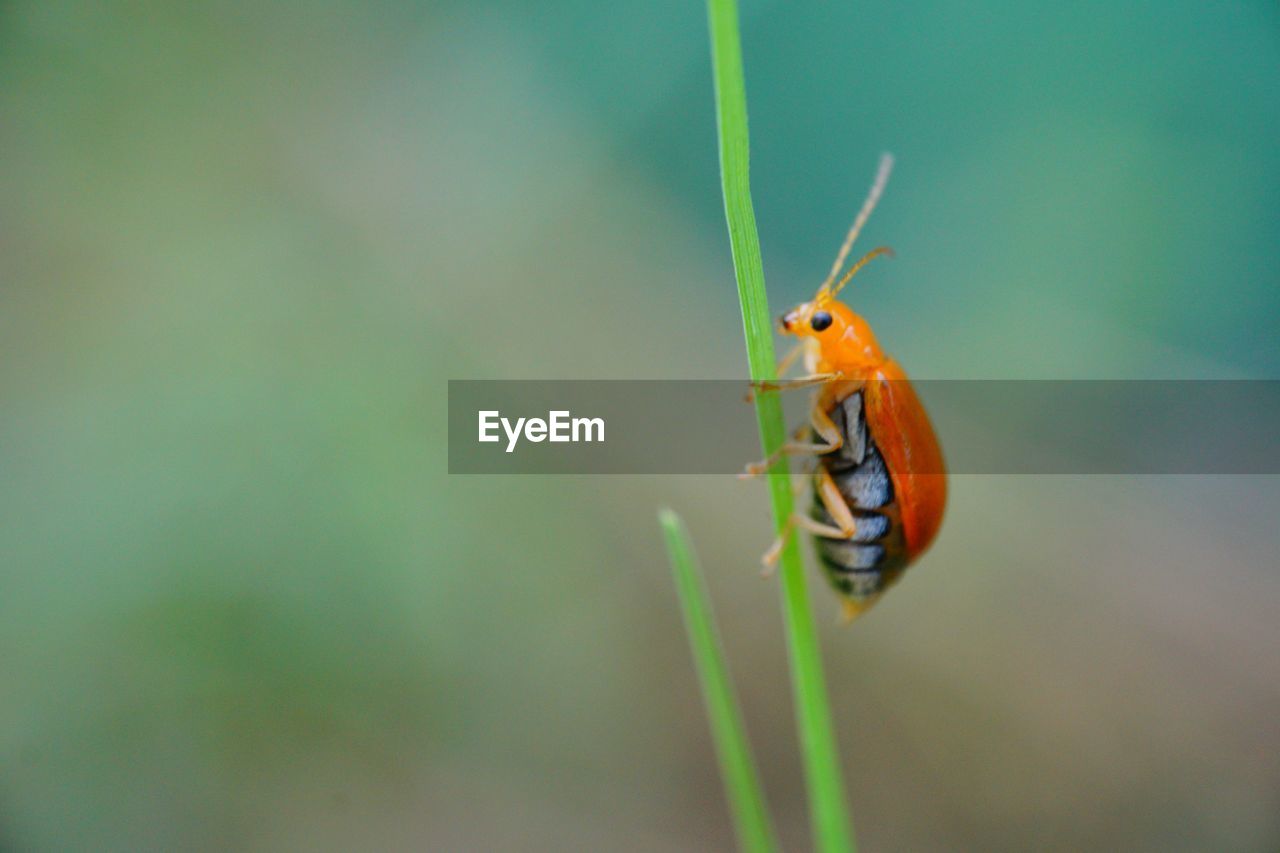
{"x":783,"y":366}
{"x":806,"y":381}
{"x":822,"y":425}
{"x":790,"y":358}
{"x":817,"y":528}
{"x":836,"y":506}
{"x":791,"y":448}
{"x":770,"y":558}
{"x":791,"y":384}
{"x":825,"y":428}
{"x":846,"y":526}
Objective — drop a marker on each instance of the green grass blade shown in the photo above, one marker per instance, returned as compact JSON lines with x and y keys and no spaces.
{"x":832,"y":827}
{"x":742,"y":784}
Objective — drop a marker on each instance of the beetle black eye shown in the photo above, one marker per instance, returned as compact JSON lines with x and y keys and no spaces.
{"x":820,"y":320}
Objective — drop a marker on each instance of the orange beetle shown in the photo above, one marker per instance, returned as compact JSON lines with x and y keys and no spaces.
{"x":879,"y":484}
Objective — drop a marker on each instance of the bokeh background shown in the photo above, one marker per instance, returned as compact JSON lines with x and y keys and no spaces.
{"x":244,"y":245}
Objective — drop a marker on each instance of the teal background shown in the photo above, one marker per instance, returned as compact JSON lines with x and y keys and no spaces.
{"x":243,"y":246}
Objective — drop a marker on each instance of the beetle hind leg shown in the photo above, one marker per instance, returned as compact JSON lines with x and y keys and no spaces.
{"x":836,"y":507}
{"x":797,"y":519}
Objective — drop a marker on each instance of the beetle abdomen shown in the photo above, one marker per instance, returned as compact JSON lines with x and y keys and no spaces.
{"x":865,"y":566}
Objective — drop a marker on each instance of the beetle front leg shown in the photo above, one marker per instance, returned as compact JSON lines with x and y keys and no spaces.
{"x":790,"y":384}
{"x":789,"y":359}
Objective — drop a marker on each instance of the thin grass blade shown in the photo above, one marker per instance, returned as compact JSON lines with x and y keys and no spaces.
{"x":737,"y":766}
{"x":829,"y":815}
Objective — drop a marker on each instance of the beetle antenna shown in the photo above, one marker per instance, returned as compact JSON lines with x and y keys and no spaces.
{"x":877,"y":187}
{"x":853,"y":270}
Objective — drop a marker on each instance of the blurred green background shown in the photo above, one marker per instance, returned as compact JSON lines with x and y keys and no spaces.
{"x":243,"y":245}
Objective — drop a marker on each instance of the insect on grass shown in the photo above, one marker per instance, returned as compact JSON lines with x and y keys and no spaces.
{"x":879,"y":483}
